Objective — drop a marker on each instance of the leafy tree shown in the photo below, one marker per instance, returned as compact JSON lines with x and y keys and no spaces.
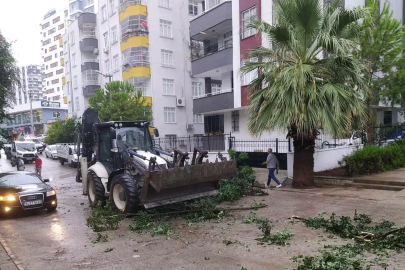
{"x":62,"y":132}
{"x":308,"y":78}
{"x":9,"y":77}
{"x":121,"y":101}
{"x":381,"y":48}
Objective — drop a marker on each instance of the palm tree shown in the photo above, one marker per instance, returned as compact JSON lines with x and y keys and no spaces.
{"x":308,"y":79}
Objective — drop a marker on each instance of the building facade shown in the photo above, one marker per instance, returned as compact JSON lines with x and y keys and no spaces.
{"x":52,"y":29}
{"x":31,"y":84}
{"x":221,"y":41}
{"x":148,"y":45}
{"x":77,"y":7}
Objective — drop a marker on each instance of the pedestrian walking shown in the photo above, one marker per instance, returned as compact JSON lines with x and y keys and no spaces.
{"x":20,"y":164}
{"x":272,"y":165}
{"x":38,"y":166}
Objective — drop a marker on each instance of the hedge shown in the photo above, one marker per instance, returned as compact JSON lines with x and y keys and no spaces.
{"x":374,"y":159}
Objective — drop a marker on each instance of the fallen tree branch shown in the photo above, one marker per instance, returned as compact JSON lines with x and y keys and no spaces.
{"x":391,"y":232}
{"x":401,"y":245}
{"x":297,"y":217}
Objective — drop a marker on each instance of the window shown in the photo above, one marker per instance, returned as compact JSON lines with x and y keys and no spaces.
{"x":45,"y":25}
{"x":51,"y":31}
{"x":72,"y":38}
{"x":228,"y":39}
{"x":104,"y":13}
{"x":214,"y":124}
{"x":77,"y":103}
{"x":168,"y":87}
{"x":116,"y":63}
{"x":114,"y":35}
{"x":55,"y":81}
{"x":249,"y":77}
{"x":75,"y":82}
{"x":50,"y":74}
{"x":90,"y":2}
{"x":55,"y":64}
{"x":56,"y":114}
{"x":56,"y":55}
{"x":215,"y":88}
{"x":73,"y":59}
{"x":164,"y":3}
{"x":55,"y":38}
{"x":44,"y":34}
{"x":196,"y":89}
{"x":61,"y":53}
{"x":46,"y":50}
{"x":48,"y":58}
{"x":192,"y":7}
{"x":247,"y":17}
{"x":167,"y":58}
{"x":169,"y":115}
{"x":105,"y":36}
{"x":56,"y":20}
{"x":387,"y":117}
{"x":59,"y":71}
{"x":54,"y":47}
{"x":107,"y":66}
{"x":46,"y":42}
{"x":112,"y":7}
{"x":61,"y":26}
{"x":198,"y":118}
{"x":165,"y":29}
{"x":235,"y":120}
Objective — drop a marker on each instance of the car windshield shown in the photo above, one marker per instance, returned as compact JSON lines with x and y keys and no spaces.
{"x":25,"y":146}
{"x":133,"y":138}
{"x":53,"y":148}
{"x":16,"y":179}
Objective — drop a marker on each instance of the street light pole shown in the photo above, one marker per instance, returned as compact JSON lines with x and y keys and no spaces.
{"x":31,"y":114}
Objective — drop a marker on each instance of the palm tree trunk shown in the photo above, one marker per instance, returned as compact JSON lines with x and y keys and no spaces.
{"x":303,"y":176}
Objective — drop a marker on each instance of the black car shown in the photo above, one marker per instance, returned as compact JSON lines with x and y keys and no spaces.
{"x":25,"y":191}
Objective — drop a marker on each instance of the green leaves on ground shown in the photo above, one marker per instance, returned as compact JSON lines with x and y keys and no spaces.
{"x":104,"y":218}
{"x":62,"y":132}
{"x":121,"y":101}
{"x":370,"y":241}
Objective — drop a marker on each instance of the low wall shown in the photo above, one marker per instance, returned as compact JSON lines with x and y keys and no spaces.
{"x":324,"y":159}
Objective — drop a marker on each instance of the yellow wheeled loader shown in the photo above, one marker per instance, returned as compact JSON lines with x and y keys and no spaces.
{"x":119,"y":161}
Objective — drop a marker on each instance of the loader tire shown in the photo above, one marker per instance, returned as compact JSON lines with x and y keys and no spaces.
{"x":124,"y":193}
{"x":95,"y":190}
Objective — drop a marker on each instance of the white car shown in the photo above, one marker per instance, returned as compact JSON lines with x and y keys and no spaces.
{"x":51,"y":152}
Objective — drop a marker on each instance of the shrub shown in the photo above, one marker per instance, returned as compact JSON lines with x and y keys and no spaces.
{"x":373,"y":159}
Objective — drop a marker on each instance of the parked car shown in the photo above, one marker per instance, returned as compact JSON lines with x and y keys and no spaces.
{"x":393,"y":137}
{"x":51,"y":152}
{"x":24,"y":149}
{"x":25,"y":191}
{"x":3,"y":140}
{"x":67,"y":153}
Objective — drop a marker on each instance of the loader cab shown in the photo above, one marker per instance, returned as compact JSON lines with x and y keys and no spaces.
{"x":112,"y":138}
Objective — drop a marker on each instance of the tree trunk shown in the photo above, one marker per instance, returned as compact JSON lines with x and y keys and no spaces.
{"x":303,"y":176}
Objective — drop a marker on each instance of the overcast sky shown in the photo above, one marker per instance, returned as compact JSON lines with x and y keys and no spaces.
{"x":19,"y":22}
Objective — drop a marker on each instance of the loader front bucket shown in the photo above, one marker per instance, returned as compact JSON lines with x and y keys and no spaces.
{"x":184,"y":183}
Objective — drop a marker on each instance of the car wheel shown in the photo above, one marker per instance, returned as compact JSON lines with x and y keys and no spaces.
{"x":95,"y":190}
{"x":124,"y":193}
{"x":46,"y":155}
{"x":52,"y":208}
{"x":61,"y":161}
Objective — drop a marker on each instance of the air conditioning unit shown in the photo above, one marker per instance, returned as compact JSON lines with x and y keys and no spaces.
{"x":106,"y":50}
{"x":95,"y":51}
{"x":190,"y":126}
{"x":180,"y":102}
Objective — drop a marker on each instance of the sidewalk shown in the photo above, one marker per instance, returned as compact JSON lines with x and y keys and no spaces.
{"x":6,"y":263}
{"x":262,"y":175}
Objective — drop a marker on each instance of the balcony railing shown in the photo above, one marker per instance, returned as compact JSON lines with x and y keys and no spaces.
{"x":90,"y":77}
{"x":209,"y":9}
{"x":126,"y":3}
{"x":89,"y":60}
{"x":222,"y":91}
{"x":197,"y":54}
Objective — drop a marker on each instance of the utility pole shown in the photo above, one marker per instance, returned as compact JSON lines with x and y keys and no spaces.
{"x":31,"y":113}
{"x":109,"y":76}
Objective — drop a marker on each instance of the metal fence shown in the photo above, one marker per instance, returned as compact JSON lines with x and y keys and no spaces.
{"x":210,"y":143}
{"x":383,"y":133}
{"x":246,"y":145}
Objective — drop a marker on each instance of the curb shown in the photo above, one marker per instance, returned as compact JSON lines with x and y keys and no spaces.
{"x":10,"y":254}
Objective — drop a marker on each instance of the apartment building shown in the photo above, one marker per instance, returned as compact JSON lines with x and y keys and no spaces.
{"x":29,"y":98}
{"x":52,"y":28}
{"x":221,"y":41}
{"x":146,"y":43}
{"x":77,"y":7}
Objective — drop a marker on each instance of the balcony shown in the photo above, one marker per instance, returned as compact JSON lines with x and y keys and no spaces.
{"x":88,"y":44}
{"x":91,"y":82}
{"x":212,"y":102}
{"x":127,"y":5}
{"x":219,"y":16}
{"x":209,"y":62}
{"x":87,"y":19}
{"x":90,"y":90}
{"x":90,"y":64}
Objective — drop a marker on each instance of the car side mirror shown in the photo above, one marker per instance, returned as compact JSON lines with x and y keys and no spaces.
{"x":156,"y":132}
{"x":46,"y":180}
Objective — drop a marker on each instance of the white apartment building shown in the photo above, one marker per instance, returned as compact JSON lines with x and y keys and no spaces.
{"x":31,"y":84}
{"x":146,"y":43}
{"x":77,"y":7}
{"x":52,"y":29}
{"x":221,"y":41}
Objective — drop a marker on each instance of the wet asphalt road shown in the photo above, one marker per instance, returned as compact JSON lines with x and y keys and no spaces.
{"x":38,"y":239}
